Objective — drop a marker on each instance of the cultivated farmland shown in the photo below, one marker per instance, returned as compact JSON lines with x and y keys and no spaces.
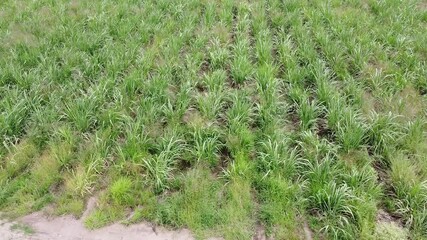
{"x":294,"y":119}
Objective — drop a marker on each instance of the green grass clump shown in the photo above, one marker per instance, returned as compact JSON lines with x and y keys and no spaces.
{"x":241,"y":69}
{"x":80,"y":182}
{"x":206,"y":146}
{"x":409,"y":190}
{"x":159,"y":167}
{"x":67,"y":205}
{"x":27,"y":230}
{"x":101,"y":217}
{"x":196,"y":204}
{"x":238,"y":211}
{"x":121,"y":191}
{"x":280,"y":206}
{"x":19,"y":158}
{"x":383,"y":133}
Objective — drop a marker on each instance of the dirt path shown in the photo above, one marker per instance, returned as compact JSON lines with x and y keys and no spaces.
{"x":69,"y":228}
{"x":39,"y":226}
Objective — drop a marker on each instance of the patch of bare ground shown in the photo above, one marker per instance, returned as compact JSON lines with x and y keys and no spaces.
{"x":224,"y":160}
{"x":47,"y":18}
{"x":3,"y":14}
{"x":323,"y":129}
{"x":18,"y":35}
{"x":222,"y":33}
{"x":343,"y":10}
{"x":78,"y":10}
{"x":260,"y":233}
{"x":41,"y":226}
{"x":369,"y":103}
{"x":293,"y":120}
{"x":407,"y":103}
{"x":307,"y":231}
{"x":374,"y":67}
{"x":7,"y":233}
{"x":383,"y":216}
{"x":192,"y":117}
{"x":422,"y":5}
{"x":68,"y":228}
{"x":43,"y":21}
{"x":388,"y":227}
{"x":90,"y":206}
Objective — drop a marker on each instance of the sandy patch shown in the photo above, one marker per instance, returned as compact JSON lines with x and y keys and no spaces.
{"x":422,"y":5}
{"x":7,"y":233}
{"x":389,"y":228}
{"x":408,"y":103}
{"x":3,"y":14}
{"x":260,"y":233}
{"x":42,"y":226}
{"x":69,"y":228}
{"x":18,"y":35}
{"x":307,"y":231}
{"x":369,"y":103}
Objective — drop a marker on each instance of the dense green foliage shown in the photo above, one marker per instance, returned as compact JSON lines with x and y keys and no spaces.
{"x":225,"y":116}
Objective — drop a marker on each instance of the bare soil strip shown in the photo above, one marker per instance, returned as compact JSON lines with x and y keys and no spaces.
{"x":69,"y":228}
